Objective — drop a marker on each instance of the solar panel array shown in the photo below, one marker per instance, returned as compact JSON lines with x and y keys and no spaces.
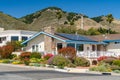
{"x":74,"y":37}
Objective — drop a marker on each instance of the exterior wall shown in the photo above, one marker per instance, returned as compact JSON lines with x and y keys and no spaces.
{"x":114,"y":47}
{"x":8,"y":33}
{"x":36,"y":41}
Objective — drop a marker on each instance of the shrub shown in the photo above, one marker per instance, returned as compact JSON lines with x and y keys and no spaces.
{"x":47,"y":56}
{"x":68,"y":52}
{"x":102,"y":68}
{"x":80,"y":61}
{"x":6,"y":61}
{"x":26,"y":61}
{"x":115,"y":67}
{"x":16,"y":62}
{"x":109,"y":60}
{"x":35,"y":55}
{"x":71,"y":65}
{"x":60,"y":61}
{"x":101,"y":58}
{"x":50,"y":60}
{"x":12,"y":56}
{"x":35,"y":60}
{"x":116,"y":62}
{"x":94,"y":62}
{"x":6,"y":51}
{"x":25,"y":55}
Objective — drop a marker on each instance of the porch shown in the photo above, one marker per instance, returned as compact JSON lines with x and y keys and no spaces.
{"x":96,"y":54}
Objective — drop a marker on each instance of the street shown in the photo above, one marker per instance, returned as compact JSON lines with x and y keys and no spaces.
{"x":21,"y":73}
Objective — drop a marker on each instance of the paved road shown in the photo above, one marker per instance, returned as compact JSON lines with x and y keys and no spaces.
{"x":17,"y":73}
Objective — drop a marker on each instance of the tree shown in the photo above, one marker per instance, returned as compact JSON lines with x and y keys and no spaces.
{"x":109,"y":19}
{"x":16,"y":45}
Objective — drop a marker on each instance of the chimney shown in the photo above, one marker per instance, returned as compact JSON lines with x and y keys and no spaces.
{"x":49,"y":41}
{"x":49,"y":30}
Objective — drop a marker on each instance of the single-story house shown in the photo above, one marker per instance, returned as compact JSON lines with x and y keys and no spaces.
{"x":87,"y":46}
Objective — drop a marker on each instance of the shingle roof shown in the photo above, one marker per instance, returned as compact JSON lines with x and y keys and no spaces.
{"x":105,"y":37}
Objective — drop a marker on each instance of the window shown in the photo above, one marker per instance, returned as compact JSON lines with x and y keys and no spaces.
{"x":14,"y":38}
{"x":93,"y":47}
{"x":71,"y":45}
{"x":117,"y":42}
{"x":59,"y":46}
{"x":0,"y":40}
{"x":79,"y":47}
{"x":35,"y":48}
{"x":24,"y":38}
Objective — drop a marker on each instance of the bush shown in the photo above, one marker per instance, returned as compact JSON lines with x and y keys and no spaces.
{"x":68,"y":52}
{"x":94,"y":62}
{"x":101,"y":58}
{"x":35,"y":55}
{"x":25,"y":55}
{"x":80,"y":61}
{"x":35,"y":60}
{"x":116,"y":62}
{"x":115,"y":67}
{"x":71,"y":65}
{"x":13,"y":56}
{"x":50,"y":60}
{"x":16,"y":62}
{"x":47,"y":56}
{"x":6,"y":51}
{"x":102,"y":68}
{"x":6,"y":61}
{"x":109,"y":60}
{"x":60,"y":61}
{"x":26,"y":61}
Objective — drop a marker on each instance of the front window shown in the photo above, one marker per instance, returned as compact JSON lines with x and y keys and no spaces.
{"x":24,"y":38}
{"x":59,"y":46}
{"x":79,"y":47}
{"x":71,"y":45}
{"x":14,"y":38}
{"x":35,"y":48}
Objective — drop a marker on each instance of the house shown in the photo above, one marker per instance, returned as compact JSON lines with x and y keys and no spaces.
{"x":14,"y":35}
{"x":50,"y":42}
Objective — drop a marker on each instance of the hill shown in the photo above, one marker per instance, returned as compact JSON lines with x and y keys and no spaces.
{"x":53,"y":16}
{"x":9,"y":22}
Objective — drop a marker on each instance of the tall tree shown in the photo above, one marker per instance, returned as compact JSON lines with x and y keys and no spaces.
{"x":109,"y":19}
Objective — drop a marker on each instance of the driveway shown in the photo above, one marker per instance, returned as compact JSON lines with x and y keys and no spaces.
{"x":21,"y":73}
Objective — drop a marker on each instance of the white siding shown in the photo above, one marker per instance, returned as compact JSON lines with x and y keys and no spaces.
{"x":114,"y":47}
{"x":36,"y":41}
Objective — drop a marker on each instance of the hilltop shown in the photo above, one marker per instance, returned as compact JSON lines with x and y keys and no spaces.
{"x":53,"y":16}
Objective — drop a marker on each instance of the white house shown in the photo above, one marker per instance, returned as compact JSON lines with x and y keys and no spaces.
{"x":14,"y":35}
{"x":50,"y":42}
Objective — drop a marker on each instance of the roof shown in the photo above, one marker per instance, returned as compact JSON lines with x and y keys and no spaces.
{"x":75,"y":37}
{"x":105,"y":37}
{"x":17,"y":32}
{"x":68,"y":38}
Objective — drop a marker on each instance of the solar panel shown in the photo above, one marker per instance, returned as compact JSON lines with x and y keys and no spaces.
{"x":74,"y":37}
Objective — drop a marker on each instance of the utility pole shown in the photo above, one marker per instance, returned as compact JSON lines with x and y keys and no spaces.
{"x":82,"y":22}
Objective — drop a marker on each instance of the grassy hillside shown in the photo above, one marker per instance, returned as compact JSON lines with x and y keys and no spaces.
{"x":8,"y":22}
{"x":56,"y":17}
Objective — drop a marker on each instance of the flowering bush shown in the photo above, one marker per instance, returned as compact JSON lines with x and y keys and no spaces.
{"x":69,"y":52}
{"x":47,"y":56}
{"x":6,"y":51}
{"x":25,"y":55}
{"x":101,"y":58}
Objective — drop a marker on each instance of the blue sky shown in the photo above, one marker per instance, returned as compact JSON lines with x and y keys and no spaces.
{"x":91,"y":8}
